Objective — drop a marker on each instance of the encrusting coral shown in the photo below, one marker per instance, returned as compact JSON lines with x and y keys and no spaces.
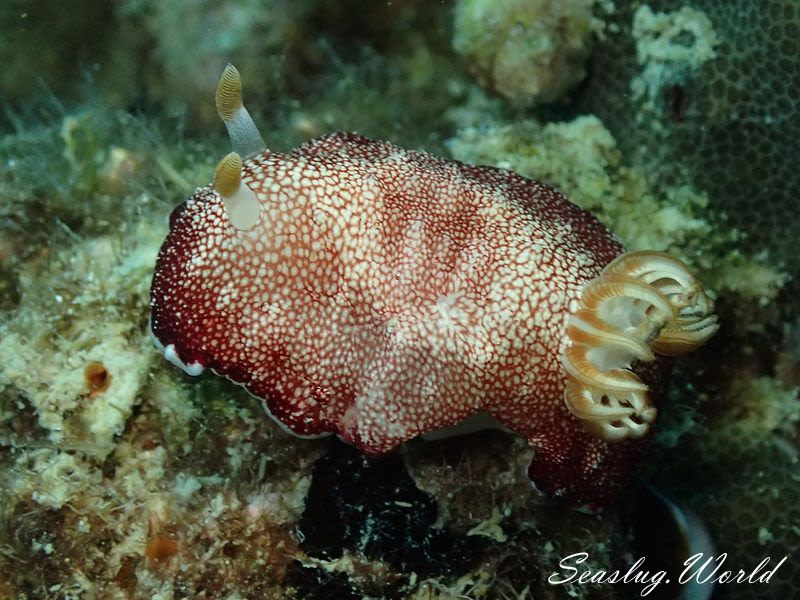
{"x":706,"y":94}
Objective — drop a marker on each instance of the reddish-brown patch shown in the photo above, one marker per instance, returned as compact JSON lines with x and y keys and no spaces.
{"x":126,"y":576}
{"x":98,"y":379}
{"x":160,"y":548}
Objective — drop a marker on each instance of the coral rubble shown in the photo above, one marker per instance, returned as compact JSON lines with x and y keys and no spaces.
{"x":529,"y":52}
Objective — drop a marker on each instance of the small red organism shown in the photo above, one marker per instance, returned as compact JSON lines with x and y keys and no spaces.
{"x":159,"y":549}
{"x":379,"y":293}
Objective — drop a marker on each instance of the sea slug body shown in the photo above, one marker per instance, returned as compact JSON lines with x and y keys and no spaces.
{"x":380,"y":293}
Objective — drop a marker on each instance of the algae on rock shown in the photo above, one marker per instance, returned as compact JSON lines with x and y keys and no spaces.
{"x":530,"y":52}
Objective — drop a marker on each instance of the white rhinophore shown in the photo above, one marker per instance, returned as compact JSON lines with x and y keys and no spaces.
{"x":241,"y":203}
{"x":242,"y":131}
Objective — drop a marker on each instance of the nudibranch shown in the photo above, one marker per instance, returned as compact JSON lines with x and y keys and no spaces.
{"x":380,"y":293}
